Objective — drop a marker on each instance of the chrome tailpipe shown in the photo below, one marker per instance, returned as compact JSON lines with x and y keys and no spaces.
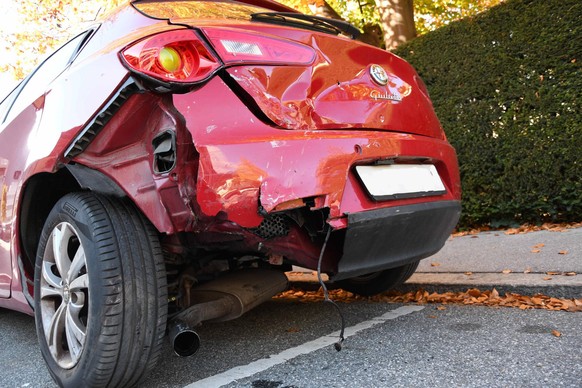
{"x":223,"y":299}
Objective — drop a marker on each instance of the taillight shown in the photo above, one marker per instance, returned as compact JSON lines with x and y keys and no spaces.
{"x":234,"y":47}
{"x":180,"y":55}
{"x":173,"y":56}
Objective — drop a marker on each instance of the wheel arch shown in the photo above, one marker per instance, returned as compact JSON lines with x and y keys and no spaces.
{"x":37,"y":201}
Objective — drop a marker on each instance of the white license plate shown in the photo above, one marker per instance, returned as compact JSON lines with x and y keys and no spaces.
{"x":401,"y":180}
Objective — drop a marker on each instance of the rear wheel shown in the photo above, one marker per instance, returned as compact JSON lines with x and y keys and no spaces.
{"x":378,"y":282}
{"x":100,"y":292}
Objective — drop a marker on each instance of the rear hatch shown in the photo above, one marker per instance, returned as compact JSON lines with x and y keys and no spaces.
{"x":302,"y":75}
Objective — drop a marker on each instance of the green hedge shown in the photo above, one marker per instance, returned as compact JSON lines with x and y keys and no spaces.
{"x":507,"y":87}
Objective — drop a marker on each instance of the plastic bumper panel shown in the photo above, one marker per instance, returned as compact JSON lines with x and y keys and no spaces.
{"x":387,"y":238}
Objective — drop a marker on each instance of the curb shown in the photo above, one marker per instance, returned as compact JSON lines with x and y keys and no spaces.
{"x":558,"y":286}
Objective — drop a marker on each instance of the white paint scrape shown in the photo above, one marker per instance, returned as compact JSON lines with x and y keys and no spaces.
{"x":244,"y":371}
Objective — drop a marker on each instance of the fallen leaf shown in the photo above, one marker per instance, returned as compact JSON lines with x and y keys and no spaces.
{"x":562,"y":252}
{"x":570,"y":274}
{"x":432,"y":316}
{"x":474,"y":236}
{"x":434,"y":264}
{"x":293,"y":330}
{"x":548,"y":278}
{"x":556,"y":333}
{"x":468,"y":273}
{"x":540,"y":245}
{"x":527,"y":270}
{"x":537,"y":300}
{"x":526,"y":228}
{"x":433,"y":297}
{"x":535,"y":250}
{"x":472,"y":296}
{"x":474,"y":292}
{"x":506,"y":271}
{"x":547,"y":226}
{"x":494,"y":294}
{"x":552,"y":273}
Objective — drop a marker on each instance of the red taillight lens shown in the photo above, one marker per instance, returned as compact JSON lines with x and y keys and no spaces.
{"x":173,"y":56}
{"x":234,"y":47}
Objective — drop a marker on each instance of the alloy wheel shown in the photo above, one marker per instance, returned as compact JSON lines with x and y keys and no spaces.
{"x":64,"y":295}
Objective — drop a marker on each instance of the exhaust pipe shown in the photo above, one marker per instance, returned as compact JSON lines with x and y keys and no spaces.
{"x":184,"y":340}
{"x":223,"y":299}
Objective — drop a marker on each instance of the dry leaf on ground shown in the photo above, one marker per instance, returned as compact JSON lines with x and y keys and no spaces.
{"x":562,"y":252}
{"x":471,"y":232}
{"x":506,"y":271}
{"x":556,"y":333}
{"x":470,"y":297}
{"x":547,"y":226}
{"x":537,"y":300}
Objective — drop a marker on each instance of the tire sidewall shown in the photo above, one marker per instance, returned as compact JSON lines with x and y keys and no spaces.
{"x":378,"y":282}
{"x":71,"y":209}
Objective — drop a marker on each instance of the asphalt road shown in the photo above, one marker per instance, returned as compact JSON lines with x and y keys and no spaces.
{"x":288,"y":344}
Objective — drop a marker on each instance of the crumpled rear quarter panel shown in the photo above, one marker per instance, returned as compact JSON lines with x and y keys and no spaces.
{"x":245,"y":163}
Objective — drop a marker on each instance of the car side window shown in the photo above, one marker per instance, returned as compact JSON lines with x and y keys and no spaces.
{"x":36,"y":84}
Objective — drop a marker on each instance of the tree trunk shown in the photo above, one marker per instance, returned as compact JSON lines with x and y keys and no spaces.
{"x":397,"y":18}
{"x":372,"y":33}
{"x":322,"y":8}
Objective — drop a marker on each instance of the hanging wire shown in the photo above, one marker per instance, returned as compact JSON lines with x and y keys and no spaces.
{"x":337,"y":345}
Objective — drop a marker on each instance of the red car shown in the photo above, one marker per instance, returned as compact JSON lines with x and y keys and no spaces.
{"x":167,"y":166}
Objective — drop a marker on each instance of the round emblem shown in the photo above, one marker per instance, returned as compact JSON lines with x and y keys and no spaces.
{"x":379,"y":75}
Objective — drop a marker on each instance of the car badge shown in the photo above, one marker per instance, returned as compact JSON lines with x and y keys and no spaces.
{"x":378,"y":75}
{"x":376,"y":95}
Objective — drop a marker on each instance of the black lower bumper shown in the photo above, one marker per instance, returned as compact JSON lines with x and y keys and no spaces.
{"x":387,"y":238}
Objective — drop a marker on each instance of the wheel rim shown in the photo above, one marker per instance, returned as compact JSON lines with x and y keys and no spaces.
{"x":64,"y":291}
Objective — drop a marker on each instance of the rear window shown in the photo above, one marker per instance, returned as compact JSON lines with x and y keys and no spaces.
{"x":214,"y":9}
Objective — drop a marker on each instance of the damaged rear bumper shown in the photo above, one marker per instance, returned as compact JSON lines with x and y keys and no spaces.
{"x":386,"y":238}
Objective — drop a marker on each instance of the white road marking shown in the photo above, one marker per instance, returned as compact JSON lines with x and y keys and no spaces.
{"x":244,"y":371}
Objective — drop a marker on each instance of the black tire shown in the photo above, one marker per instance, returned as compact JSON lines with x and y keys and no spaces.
{"x":378,"y":282}
{"x":106,"y":316}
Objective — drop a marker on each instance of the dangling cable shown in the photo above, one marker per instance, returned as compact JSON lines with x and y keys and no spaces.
{"x":337,"y":345}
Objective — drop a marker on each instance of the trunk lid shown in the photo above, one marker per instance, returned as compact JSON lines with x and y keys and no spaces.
{"x":349,"y":85}
{"x":346,"y":84}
